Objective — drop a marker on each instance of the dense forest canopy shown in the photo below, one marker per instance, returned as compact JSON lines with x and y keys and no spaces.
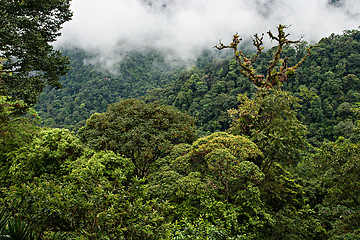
{"x":326,"y":83}
{"x":260,"y":145}
{"x":88,"y":88}
{"x":27,"y":28}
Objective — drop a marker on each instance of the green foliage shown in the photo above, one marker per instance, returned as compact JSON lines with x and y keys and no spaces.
{"x":337,"y":166}
{"x":27,"y":28}
{"x":205,"y":94}
{"x":141,"y":132}
{"x":333,"y":184}
{"x":311,"y":113}
{"x":15,"y":228}
{"x":214,"y":182}
{"x":332,"y":75}
{"x":99,"y":164}
{"x":225,"y":160}
{"x":17,"y":127}
{"x":143,"y":180}
{"x":94,"y":200}
{"x":3,"y":221}
{"x":90,"y":87}
{"x":280,"y":189}
{"x":298,"y":224}
{"x":270,"y":122}
{"x":45,"y":154}
{"x":15,"y":113}
{"x":199,"y":229}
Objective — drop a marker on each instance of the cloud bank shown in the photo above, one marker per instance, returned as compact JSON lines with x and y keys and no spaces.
{"x":183,"y":28}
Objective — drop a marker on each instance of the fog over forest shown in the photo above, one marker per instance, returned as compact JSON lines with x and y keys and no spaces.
{"x":185,"y":27}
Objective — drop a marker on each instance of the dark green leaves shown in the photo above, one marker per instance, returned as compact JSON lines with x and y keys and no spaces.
{"x":140,"y":131}
{"x":26,"y":29}
{"x":270,"y":122}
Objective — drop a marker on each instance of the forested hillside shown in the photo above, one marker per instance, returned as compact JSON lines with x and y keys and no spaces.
{"x":327,"y":83}
{"x":90,"y":88}
{"x":262,"y":145}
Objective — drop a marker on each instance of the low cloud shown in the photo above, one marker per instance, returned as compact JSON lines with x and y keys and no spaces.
{"x":183,"y":28}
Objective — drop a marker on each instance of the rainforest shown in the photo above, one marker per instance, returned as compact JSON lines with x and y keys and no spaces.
{"x":245,"y":142}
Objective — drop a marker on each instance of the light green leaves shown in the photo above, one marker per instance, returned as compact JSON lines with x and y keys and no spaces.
{"x":45,"y":154}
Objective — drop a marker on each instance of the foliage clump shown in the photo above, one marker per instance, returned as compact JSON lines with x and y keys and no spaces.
{"x":27,"y":28}
{"x":215,"y":181}
{"x":270,"y":122}
{"x":143,"y":132}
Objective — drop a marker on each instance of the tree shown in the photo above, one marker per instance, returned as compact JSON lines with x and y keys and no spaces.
{"x":214,"y":181}
{"x":45,"y":154}
{"x":269,"y":119}
{"x":143,"y":132}
{"x":271,"y":123}
{"x":228,"y":160}
{"x":27,"y":28}
{"x":278,"y":70}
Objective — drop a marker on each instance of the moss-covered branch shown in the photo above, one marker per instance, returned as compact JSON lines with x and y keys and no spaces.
{"x":276,"y":75}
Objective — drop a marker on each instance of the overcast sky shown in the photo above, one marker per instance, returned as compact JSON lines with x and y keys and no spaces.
{"x":185,"y":27}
